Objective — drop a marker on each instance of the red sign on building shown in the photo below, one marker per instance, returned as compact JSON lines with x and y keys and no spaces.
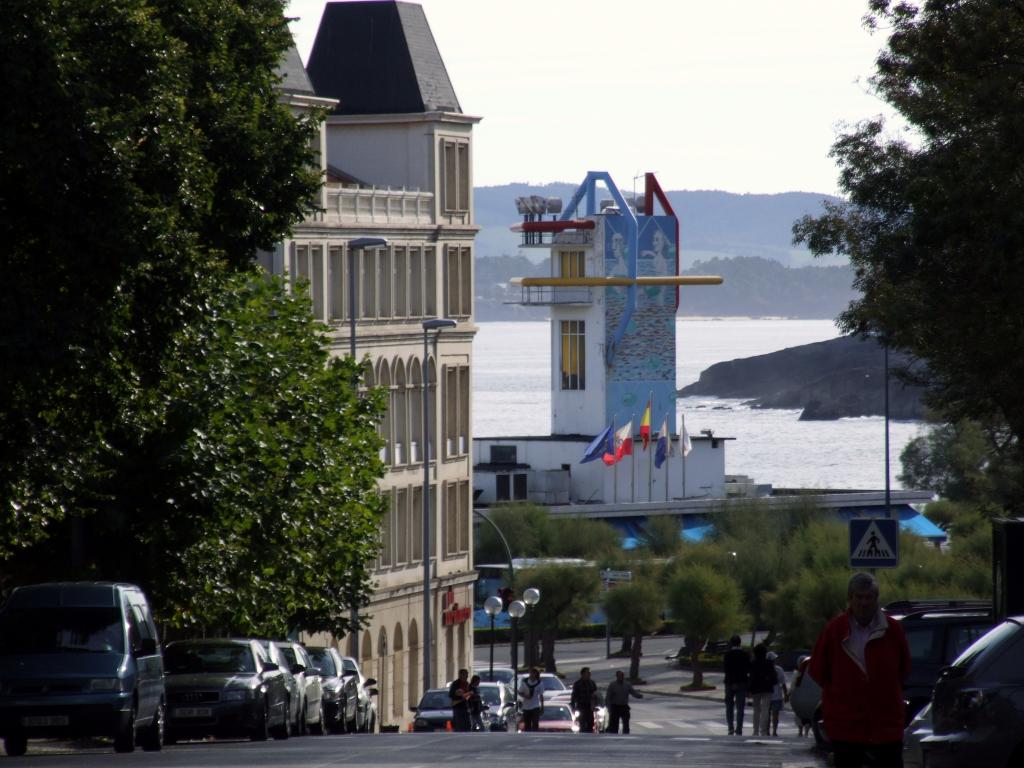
{"x":451,"y":613}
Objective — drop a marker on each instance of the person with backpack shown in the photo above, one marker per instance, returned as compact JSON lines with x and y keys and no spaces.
{"x":762,"y":682}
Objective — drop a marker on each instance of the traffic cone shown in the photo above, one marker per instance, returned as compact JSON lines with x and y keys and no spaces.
{"x":448,"y":725}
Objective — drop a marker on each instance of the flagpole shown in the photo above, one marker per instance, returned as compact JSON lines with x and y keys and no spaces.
{"x":632,"y":466}
{"x":650,"y":453}
{"x":682,"y":449}
{"x":668,"y":450}
{"x":615,"y":470}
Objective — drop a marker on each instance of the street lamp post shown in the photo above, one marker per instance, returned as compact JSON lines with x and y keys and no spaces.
{"x":888,"y":506}
{"x":531,"y":597}
{"x":492,"y":607}
{"x":433,"y":324}
{"x":356,"y":244}
{"x":516,"y":609}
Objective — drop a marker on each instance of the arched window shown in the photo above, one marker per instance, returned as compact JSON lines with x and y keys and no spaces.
{"x":431,"y":453}
{"x":400,"y":414}
{"x":398,"y":675}
{"x":414,"y":663}
{"x":416,"y":411}
{"x":384,"y":429}
{"x":383,"y":682}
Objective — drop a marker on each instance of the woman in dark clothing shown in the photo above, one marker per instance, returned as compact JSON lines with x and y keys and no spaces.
{"x":762,"y":681}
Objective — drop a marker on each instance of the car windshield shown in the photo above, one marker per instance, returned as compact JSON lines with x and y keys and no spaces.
{"x":289,"y":653}
{"x":552,"y":684}
{"x":208,"y":658}
{"x":61,"y":630}
{"x":349,"y":666}
{"x":558,"y":712}
{"x":435,"y":700}
{"x":994,"y":638}
{"x":498,"y":676}
{"x":323,"y":661}
{"x":489,"y":694}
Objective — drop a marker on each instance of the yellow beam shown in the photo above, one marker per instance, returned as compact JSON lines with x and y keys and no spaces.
{"x":599,"y":282}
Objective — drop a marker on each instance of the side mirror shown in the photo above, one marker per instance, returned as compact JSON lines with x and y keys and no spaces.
{"x":270,"y":666}
{"x":370,"y":681}
{"x":374,"y":692}
{"x":316,"y":671}
{"x":146,"y":647}
{"x":414,"y":710}
{"x":298,"y":669}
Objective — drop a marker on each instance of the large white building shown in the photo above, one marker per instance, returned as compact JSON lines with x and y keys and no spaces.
{"x":397,"y":152}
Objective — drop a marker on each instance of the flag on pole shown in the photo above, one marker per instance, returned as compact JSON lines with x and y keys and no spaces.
{"x":685,"y":446}
{"x":622,"y":444}
{"x":599,"y":446}
{"x":664,"y":447}
{"x":645,"y":425}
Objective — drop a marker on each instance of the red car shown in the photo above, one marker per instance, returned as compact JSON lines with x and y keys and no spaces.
{"x":556,"y":718}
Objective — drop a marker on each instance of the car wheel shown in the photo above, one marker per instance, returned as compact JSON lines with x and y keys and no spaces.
{"x":153,"y":737}
{"x":371,"y":724}
{"x":15,"y":745}
{"x":352,"y":726}
{"x":284,"y":730}
{"x":124,"y":739}
{"x":261,"y":731}
{"x":317,"y":728}
{"x":299,"y":729}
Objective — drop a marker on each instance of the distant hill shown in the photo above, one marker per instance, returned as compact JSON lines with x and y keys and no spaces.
{"x":712,"y":224}
{"x":827,"y":380}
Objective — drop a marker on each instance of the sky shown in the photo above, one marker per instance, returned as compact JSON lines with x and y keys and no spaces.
{"x":744,"y":96}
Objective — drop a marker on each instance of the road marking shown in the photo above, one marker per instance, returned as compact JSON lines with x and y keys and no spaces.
{"x":691,"y":738}
{"x":648,"y":724}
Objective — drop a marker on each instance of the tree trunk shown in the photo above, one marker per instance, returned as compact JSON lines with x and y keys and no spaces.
{"x":548,"y":650}
{"x":696,"y":646}
{"x":627,"y":644}
{"x":634,"y":658}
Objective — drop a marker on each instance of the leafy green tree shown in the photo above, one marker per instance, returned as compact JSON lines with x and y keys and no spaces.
{"x":635,"y":609}
{"x":934,"y":225}
{"x":661,"y":536}
{"x":145,"y":146}
{"x":705,"y":604}
{"x":532,"y":532}
{"x":242,"y":491}
{"x":566,"y":593}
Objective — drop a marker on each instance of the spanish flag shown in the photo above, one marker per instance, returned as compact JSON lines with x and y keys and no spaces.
{"x":645,"y":426}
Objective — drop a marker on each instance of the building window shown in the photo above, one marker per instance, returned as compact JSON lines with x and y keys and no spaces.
{"x":458,"y":299}
{"x":503,"y":488}
{"x":402,"y":531}
{"x":573,"y":350}
{"x":503,"y":454}
{"x":572,"y":264}
{"x":416,"y":282}
{"x":368,"y":269}
{"x":456,"y":409}
{"x":430,"y":281}
{"x":401,"y":282}
{"x":384,"y":281}
{"x":386,"y":531}
{"x":519,"y":486}
{"x":338,"y":284}
{"x":417,"y":524}
{"x":456,"y":518}
{"x":456,"y":176}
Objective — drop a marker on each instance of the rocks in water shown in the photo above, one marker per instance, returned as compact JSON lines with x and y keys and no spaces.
{"x":826,"y":380}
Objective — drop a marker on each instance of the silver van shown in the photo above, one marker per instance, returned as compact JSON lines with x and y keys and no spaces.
{"x":80,"y":659}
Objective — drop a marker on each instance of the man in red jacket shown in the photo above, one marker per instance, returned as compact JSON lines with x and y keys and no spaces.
{"x":861,"y":660}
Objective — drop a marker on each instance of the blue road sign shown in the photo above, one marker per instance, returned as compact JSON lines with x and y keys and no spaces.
{"x":874,"y":543}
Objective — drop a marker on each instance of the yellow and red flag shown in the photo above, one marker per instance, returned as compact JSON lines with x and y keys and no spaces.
{"x":645,"y":426}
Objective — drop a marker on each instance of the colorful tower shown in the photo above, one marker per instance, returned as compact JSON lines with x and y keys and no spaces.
{"x":613,"y":294}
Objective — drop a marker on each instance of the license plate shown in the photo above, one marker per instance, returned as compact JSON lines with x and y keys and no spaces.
{"x":192,"y":712}
{"x":44,"y":721}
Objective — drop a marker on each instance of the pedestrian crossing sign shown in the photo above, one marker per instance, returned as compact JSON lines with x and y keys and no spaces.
{"x":874,"y":543}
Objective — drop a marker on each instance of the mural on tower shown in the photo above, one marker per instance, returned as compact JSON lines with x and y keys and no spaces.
{"x":640,"y":331}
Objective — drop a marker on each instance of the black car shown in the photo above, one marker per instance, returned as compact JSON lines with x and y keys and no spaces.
{"x":340,"y":691}
{"x":434,"y":712}
{"x":978,"y":705}
{"x":937,"y":633}
{"x":224,"y":688}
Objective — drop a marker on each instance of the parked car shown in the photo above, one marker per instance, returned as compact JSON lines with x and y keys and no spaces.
{"x":366,"y":708}
{"x":556,"y":718}
{"x":225,"y":688}
{"x":937,"y":631}
{"x":434,"y":711}
{"x":275,"y":653}
{"x":499,"y":675}
{"x":340,"y":691}
{"x":310,"y":688}
{"x":552,"y":682}
{"x":499,"y":709}
{"x":80,"y":659}
{"x":919,"y":727}
{"x":978,"y":704}
{"x":565,"y":697}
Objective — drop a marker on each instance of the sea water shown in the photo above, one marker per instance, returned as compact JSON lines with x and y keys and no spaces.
{"x":512,"y":397}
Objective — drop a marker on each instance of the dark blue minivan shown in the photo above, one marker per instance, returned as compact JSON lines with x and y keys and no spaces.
{"x":80,"y":659}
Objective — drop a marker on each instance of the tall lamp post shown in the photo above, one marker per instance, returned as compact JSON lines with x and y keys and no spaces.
{"x":516,"y":609}
{"x":888,"y":505}
{"x":531,"y":597}
{"x":492,"y":607}
{"x":356,"y":244}
{"x":433,"y":324}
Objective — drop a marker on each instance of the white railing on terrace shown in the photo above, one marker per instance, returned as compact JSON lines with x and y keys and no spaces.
{"x":378,"y":205}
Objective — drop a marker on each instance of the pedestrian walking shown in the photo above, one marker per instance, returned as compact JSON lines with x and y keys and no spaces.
{"x":460,"y":695}
{"x":736,"y":664}
{"x":780,"y":693}
{"x":762,"y":681}
{"x":803,"y":725}
{"x":617,"y":700}
{"x":861,"y":660}
{"x":582,"y":700}
{"x":476,"y":704}
{"x":531,"y":692}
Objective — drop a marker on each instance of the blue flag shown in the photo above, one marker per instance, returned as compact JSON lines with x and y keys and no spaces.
{"x":599,"y":446}
{"x":664,"y":447}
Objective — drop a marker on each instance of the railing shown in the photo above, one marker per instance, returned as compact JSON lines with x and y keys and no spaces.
{"x":547,"y":239}
{"x":539,"y":295}
{"x":377,"y":205}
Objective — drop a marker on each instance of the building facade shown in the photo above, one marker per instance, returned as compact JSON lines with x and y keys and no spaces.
{"x":396,"y":150}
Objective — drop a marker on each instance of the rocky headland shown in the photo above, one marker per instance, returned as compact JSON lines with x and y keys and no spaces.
{"x":826,"y":380}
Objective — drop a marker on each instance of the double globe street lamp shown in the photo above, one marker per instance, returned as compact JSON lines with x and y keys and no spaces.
{"x":492,"y":607}
{"x":516,"y":610}
{"x":531,"y":597}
